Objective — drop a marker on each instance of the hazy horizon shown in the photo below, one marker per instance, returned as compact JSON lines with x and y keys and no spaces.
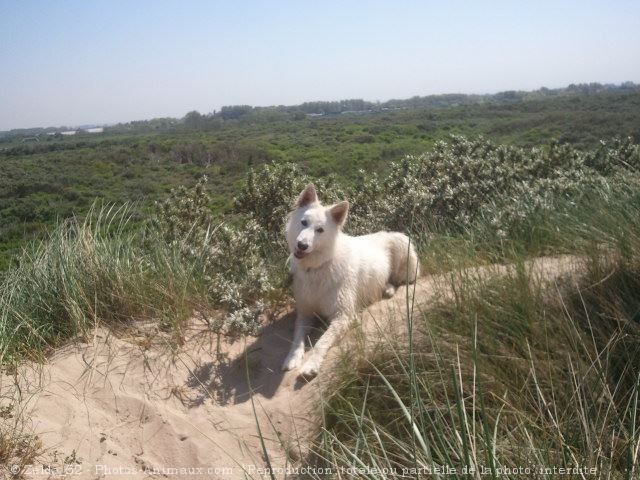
{"x":77,"y":63}
{"x":382,"y":100}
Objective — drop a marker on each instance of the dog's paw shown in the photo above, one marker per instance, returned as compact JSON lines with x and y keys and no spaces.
{"x":310,"y":368}
{"x":389,"y":291}
{"x":292,"y":361}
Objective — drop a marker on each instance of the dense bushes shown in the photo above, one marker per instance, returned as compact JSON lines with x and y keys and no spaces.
{"x":461,"y":183}
{"x":237,"y":264}
{"x":268,"y":194}
{"x":163,"y":153}
{"x":457,"y":184}
{"x":230,"y":260}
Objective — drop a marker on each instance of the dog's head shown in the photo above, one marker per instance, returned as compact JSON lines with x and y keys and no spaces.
{"x":313,"y":228}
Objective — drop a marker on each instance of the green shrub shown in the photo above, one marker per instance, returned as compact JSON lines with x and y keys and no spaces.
{"x":462,"y":181}
{"x":468,"y":198}
{"x":269,"y":194}
{"x":457,"y":184}
{"x":230,"y":258}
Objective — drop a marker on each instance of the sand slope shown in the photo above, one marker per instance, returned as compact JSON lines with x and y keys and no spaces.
{"x":125,"y":408}
{"x":131,"y":407}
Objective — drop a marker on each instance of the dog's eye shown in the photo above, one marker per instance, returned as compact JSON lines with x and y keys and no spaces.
{"x":304,"y":223}
{"x":319,"y":229}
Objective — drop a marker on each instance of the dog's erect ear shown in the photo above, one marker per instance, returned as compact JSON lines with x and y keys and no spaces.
{"x":308,"y":196}
{"x":339,"y":212}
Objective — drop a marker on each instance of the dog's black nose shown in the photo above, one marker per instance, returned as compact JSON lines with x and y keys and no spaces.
{"x":302,"y":246}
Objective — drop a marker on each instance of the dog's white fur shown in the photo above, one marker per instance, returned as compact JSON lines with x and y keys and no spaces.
{"x":334,"y":274}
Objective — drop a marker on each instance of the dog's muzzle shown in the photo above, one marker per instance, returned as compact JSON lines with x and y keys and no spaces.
{"x":299,"y":253}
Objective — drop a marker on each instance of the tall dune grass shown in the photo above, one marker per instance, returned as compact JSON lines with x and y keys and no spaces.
{"x":88,"y":272}
{"x":507,"y":376}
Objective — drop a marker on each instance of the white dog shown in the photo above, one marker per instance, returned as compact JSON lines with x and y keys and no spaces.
{"x":334,"y":274}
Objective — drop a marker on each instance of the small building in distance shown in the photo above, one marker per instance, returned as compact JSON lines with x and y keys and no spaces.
{"x":83,"y":130}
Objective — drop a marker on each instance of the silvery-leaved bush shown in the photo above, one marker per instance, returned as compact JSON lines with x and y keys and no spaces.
{"x":230,"y":257}
{"x":268,"y":194}
{"x":457,"y":183}
{"x":461,"y":181}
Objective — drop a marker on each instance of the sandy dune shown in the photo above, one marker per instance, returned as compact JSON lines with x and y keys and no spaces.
{"x":125,"y":407}
{"x":129,"y":406}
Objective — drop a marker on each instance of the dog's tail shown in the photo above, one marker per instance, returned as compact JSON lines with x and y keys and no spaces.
{"x":405,"y":265}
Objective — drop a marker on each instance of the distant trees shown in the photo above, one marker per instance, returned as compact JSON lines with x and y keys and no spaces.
{"x":327,"y":108}
{"x":193,"y":120}
{"x":141,"y":126}
{"x":215,"y":120}
{"x":233,"y":112}
{"x":295,"y":112}
{"x":595,"y":87}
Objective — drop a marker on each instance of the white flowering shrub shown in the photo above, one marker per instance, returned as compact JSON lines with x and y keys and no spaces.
{"x":462,"y":181}
{"x":619,"y":155}
{"x":230,"y":259}
{"x":458,"y":183}
{"x":269,"y":194}
{"x":184,"y":217}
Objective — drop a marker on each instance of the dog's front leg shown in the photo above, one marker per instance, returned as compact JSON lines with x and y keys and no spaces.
{"x":337,"y":328}
{"x":297,"y":347}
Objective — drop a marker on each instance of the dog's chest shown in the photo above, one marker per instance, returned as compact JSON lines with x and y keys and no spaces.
{"x":320,"y":291}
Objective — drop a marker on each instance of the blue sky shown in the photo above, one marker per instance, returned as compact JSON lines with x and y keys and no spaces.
{"x":79,"y":62}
